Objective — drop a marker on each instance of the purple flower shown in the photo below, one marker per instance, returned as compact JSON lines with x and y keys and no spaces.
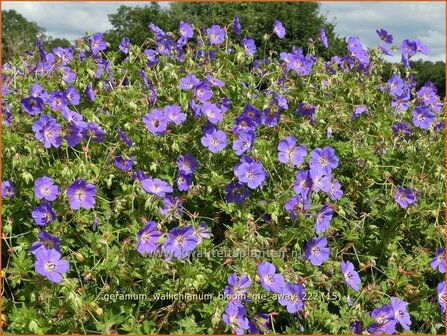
{"x":350,"y":275}
{"x":74,"y":134}
{"x":216,"y":35}
{"x":249,"y":46}
{"x":8,"y":189}
{"x":251,"y":172}
{"x":320,"y":182}
{"x":67,"y":75}
{"x":37,"y":91}
{"x":237,"y":25}
{"x":270,"y":281}
{"x":356,"y":327}
{"x":404,"y":197}
{"x":43,"y":214}
{"x":172,"y":207}
{"x":147,"y":238}
{"x":237,"y":287}
{"x":396,"y":86}
{"x":45,"y":242}
{"x":408,"y":47}
{"x":292,"y":297}
{"x":212,"y":112}
{"x":316,"y":251}
{"x":125,"y":138}
{"x":384,"y":36}
{"x":92,"y":131}
{"x":323,"y":160}
{"x":81,"y":195}
{"x":439,"y":260}
{"x":122,"y":163}
{"x":253,"y":113}
{"x":385,"y":322}
{"x":181,"y":242}
{"x":202,"y":232}
{"x":243,"y":124}
{"x":32,"y":105}
{"x":384,"y":49}
{"x":296,"y":204}
{"x":303,"y":183}
{"x":422,"y":117}
{"x":421,"y":47}
{"x":187,"y":163}
{"x":73,"y":96}
{"x":156,"y":187}
{"x":335,"y":192}
{"x":174,"y":114}
{"x":236,"y":192}
{"x":289,"y":151}
{"x":184,"y":181}
{"x":323,"y":38}
{"x":400,"y":312}
{"x":244,"y":143}
{"x":156,"y":122}
{"x":189,"y":82}
{"x":215,"y":140}
{"x":234,"y":317}
{"x":46,"y":130}
{"x":72,"y":116}
{"x":260,"y":321}
{"x":278,"y":29}
{"x":57,"y":101}
{"x":97,"y":43}
{"x":203,"y":92}
{"x":402,"y":128}
{"x":358,"y":111}
{"x":441,"y":296}
{"x":50,"y":265}
{"x":214,"y":81}
{"x":185,"y":30}
{"x":307,"y":110}
{"x":356,"y":50}
{"x":125,"y":45}
{"x":90,"y":93}
{"x":44,"y":188}
{"x":323,"y":218}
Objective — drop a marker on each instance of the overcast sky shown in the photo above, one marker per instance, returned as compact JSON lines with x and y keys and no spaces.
{"x":414,"y":20}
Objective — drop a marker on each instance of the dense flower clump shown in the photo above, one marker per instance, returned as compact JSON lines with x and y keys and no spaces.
{"x":129,"y":169}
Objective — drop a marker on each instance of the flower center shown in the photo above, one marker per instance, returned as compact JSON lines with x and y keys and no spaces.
{"x":45,"y":190}
{"x":324,"y":161}
{"x":50,"y":266}
{"x":315,"y":250}
{"x":145,"y":237}
{"x":80,"y":193}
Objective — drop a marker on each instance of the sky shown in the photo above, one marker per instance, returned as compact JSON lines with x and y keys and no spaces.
{"x":423,"y":20}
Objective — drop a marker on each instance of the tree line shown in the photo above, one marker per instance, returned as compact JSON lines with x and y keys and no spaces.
{"x":302,"y":21}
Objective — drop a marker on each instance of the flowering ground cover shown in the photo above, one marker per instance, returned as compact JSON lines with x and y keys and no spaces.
{"x":199,"y":183}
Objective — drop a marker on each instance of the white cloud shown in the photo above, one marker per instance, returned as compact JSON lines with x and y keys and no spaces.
{"x":424,"y":21}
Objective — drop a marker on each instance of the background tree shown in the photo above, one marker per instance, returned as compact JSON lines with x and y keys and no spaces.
{"x":426,"y":71}
{"x":300,"y":19}
{"x":19,"y":35}
{"x":133,"y":22}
